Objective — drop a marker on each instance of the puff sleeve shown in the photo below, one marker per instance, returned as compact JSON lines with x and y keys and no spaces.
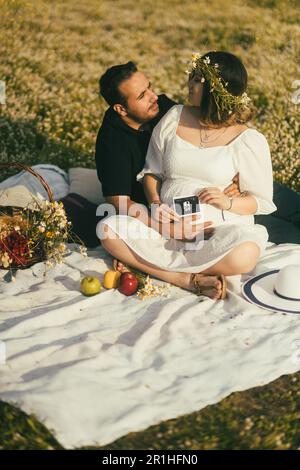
{"x":160,"y":136}
{"x":252,"y":159}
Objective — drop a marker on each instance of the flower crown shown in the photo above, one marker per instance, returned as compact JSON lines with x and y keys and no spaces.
{"x":225,"y":101}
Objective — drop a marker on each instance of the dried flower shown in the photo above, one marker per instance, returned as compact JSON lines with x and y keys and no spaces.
{"x":148,"y":289}
{"x":34,"y":234}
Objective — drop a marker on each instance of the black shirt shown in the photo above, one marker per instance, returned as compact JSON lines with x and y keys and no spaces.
{"x":121,"y":152}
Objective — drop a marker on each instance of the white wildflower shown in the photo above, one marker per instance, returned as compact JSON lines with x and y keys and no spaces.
{"x":62,"y":247}
{"x":83,"y":250}
{"x":151,"y":290}
{"x":5,"y":260}
{"x":245,"y":100}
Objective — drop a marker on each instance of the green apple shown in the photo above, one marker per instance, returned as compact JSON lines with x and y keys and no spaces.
{"x":90,"y":285}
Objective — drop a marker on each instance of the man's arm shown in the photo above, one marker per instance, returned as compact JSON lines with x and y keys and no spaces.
{"x":126,"y":206}
{"x":113,"y":162}
{"x":152,"y":186}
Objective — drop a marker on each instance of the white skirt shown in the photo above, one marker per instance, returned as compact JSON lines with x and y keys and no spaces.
{"x":178,"y":256}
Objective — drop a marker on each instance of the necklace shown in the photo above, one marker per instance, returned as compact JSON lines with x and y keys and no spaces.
{"x":206,"y":139}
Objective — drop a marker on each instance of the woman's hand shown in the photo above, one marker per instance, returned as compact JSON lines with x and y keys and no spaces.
{"x":215,"y":197}
{"x":163,"y":213}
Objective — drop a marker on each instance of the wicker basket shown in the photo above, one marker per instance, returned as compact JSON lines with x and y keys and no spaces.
{"x":10,"y":213}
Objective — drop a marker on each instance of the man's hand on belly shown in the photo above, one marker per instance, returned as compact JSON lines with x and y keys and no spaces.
{"x":233,"y":190}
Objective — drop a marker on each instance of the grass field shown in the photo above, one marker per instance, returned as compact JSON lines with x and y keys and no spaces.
{"x":51,"y":57}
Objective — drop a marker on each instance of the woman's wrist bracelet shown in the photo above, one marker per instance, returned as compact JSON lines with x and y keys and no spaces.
{"x":228,"y":209}
{"x":230,"y":205}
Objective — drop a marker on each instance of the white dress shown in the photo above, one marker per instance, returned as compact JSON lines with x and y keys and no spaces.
{"x":184,"y":170}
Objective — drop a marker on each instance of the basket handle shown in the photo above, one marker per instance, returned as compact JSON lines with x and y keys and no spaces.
{"x":34,"y":173}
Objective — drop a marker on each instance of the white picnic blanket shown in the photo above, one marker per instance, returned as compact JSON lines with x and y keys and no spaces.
{"x":94,"y":369}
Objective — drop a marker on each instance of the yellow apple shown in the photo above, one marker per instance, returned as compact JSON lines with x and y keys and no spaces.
{"x":90,"y":285}
{"x":111,"y":279}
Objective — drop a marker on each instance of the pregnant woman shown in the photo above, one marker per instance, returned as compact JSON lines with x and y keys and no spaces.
{"x":197,"y":150}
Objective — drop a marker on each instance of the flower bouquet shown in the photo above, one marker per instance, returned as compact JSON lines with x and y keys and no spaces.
{"x":38,"y":232}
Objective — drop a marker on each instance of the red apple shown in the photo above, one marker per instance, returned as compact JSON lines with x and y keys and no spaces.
{"x":128,"y":284}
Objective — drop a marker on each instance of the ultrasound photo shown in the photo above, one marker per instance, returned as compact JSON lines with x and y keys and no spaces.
{"x":188,"y":205}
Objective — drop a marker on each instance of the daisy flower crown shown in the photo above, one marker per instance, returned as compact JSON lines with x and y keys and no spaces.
{"x":225,"y":101}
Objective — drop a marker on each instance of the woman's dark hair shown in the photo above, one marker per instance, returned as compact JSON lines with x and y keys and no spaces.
{"x":110,"y":81}
{"x":233,"y":72}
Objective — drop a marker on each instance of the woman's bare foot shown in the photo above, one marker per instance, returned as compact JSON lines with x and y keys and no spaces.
{"x":210,"y":286}
{"x":119,"y":266}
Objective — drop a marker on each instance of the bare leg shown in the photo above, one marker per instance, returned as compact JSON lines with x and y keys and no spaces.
{"x":241,"y":259}
{"x":229,"y":265}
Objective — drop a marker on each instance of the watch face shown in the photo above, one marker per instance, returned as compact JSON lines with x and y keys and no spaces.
{"x":188,"y":205}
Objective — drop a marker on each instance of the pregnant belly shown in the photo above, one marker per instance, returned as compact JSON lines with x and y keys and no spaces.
{"x":182,"y":188}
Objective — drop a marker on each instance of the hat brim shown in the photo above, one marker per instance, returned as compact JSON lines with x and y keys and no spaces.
{"x":259,"y":291}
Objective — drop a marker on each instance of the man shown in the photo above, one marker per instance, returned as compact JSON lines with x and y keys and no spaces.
{"x":126,"y":129}
{"x":123,"y":140}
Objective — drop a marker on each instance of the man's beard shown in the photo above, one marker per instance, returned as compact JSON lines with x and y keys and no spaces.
{"x":139,"y":119}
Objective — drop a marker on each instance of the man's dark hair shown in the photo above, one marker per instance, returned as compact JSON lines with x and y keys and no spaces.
{"x":112,"y":78}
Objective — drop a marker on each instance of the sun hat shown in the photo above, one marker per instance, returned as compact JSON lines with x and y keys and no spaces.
{"x":277,"y":290}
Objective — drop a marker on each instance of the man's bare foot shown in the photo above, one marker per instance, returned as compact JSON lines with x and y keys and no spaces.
{"x":210,"y":286}
{"x":119,"y":266}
